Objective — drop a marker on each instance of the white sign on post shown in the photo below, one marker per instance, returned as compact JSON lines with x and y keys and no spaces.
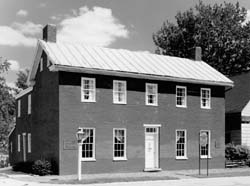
{"x":203,"y":138}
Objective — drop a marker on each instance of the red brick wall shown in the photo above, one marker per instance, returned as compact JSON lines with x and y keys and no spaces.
{"x":103,"y":115}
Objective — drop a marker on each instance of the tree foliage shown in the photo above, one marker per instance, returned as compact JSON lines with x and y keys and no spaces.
{"x":22,"y":77}
{"x":219,"y":29}
{"x":7,"y":107}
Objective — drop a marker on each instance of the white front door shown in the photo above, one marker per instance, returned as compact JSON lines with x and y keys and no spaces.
{"x":24,"y":146}
{"x":151,"y":148}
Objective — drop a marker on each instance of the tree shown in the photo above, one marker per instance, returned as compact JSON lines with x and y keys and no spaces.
{"x":7,"y":107}
{"x":22,"y":77}
{"x":220,"y":30}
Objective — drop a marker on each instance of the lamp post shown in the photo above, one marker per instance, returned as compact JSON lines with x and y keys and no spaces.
{"x":79,"y":137}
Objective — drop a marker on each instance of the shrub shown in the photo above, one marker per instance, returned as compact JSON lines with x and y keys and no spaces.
{"x":42,"y":167}
{"x":236,"y":152}
{"x":23,"y":167}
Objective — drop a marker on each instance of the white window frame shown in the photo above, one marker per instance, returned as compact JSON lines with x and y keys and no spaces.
{"x":93,"y":91}
{"x":29,"y":142}
{"x":19,"y":108}
{"x":115,"y":90}
{"x":41,"y":64}
{"x":155,"y":88}
{"x":93,"y":145}
{"x":18,"y":142}
{"x":125,"y":145}
{"x":29,"y":104}
{"x":185,"y":96}
{"x":185,"y":145}
{"x":208,"y":99}
{"x":209,"y":145}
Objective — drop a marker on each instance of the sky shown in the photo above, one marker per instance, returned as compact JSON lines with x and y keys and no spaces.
{"x":127,"y":24}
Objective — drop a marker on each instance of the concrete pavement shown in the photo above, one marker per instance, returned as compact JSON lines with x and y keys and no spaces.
{"x":222,"y":181}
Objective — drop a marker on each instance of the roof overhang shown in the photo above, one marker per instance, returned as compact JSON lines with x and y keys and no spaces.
{"x":137,"y":75}
{"x":11,"y":131}
{"x":24,"y":92}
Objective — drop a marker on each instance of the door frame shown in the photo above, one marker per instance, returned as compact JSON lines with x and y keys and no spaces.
{"x":24,"y":147}
{"x":157,"y":126}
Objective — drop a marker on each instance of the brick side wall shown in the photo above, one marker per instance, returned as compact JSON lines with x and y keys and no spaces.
{"x":45,"y":132}
{"x":103,"y":115}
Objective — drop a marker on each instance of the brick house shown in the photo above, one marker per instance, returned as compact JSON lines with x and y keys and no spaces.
{"x":238,"y":111}
{"x":139,"y":111}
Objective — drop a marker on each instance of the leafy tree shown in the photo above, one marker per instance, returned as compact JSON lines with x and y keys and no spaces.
{"x":220,"y":30}
{"x":22,"y":77}
{"x":7,"y":107}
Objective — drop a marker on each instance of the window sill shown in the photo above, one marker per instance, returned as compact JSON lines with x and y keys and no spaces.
{"x":120,"y":159}
{"x":181,"y":106}
{"x":89,"y":159}
{"x":88,"y":101}
{"x":154,"y":105}
{"x":206,"y":108}
{"x":205,"y":157}
{"x":119,"y":103}
{"x":181,"y":158}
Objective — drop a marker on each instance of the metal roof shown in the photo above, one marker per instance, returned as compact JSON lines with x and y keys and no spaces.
{"x":137,"y":63}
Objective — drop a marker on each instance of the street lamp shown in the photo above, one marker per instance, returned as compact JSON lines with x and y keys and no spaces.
{"x":79,"y":137}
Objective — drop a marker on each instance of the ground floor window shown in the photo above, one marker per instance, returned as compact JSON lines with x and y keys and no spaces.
{"x":205,"y":138}
{"x":119,"y":144}
{"x":88,"y":144}
{"x":29,"y":142}
{"x":181,"y":144}
{"x":18,"y":143}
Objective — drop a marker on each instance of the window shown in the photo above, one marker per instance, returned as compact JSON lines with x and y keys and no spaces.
{"x":88,"y":90}
{"x":151,"y":94}
{"x":205,"y":149}
{"x":19,"y":108}
{"x":181,"y":144}
{"x":29,"y":142}
{"x":119,"y":144}
{"x":206,"y":98}
{"x":119,"y":92}
{"x":88,"y":144}
{"x":29,"y":104}
{"x":41,"y":65}
{"x":18,"y":142}
{"x":181,"y":96}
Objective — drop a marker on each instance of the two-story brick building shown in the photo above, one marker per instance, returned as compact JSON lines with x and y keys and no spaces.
{"x":139,"y":111}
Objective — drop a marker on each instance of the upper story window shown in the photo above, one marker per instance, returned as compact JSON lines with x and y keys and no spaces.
{"x":18,"y":143}
{"x":88,"y":89}
{"x":41,"y":64}
{"x":181,"y":96}
{"x":29,"y":142}
{"x":88,"y":144}
{"x":151,"y":94}
{"x":181,"y":144}
{"x":119,"y":144}
{"x":119,"y":92}
{"x":29,"y":104}
{"x":206,"y":98}
{"x":205,"y":136}
{"x":19,"y":108}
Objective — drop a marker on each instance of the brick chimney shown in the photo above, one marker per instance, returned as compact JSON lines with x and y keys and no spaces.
{"x":49,"y":33}
{"x":197,"y":54}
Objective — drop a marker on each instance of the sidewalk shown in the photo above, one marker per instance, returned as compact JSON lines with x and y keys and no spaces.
{"x":125,"y":177}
